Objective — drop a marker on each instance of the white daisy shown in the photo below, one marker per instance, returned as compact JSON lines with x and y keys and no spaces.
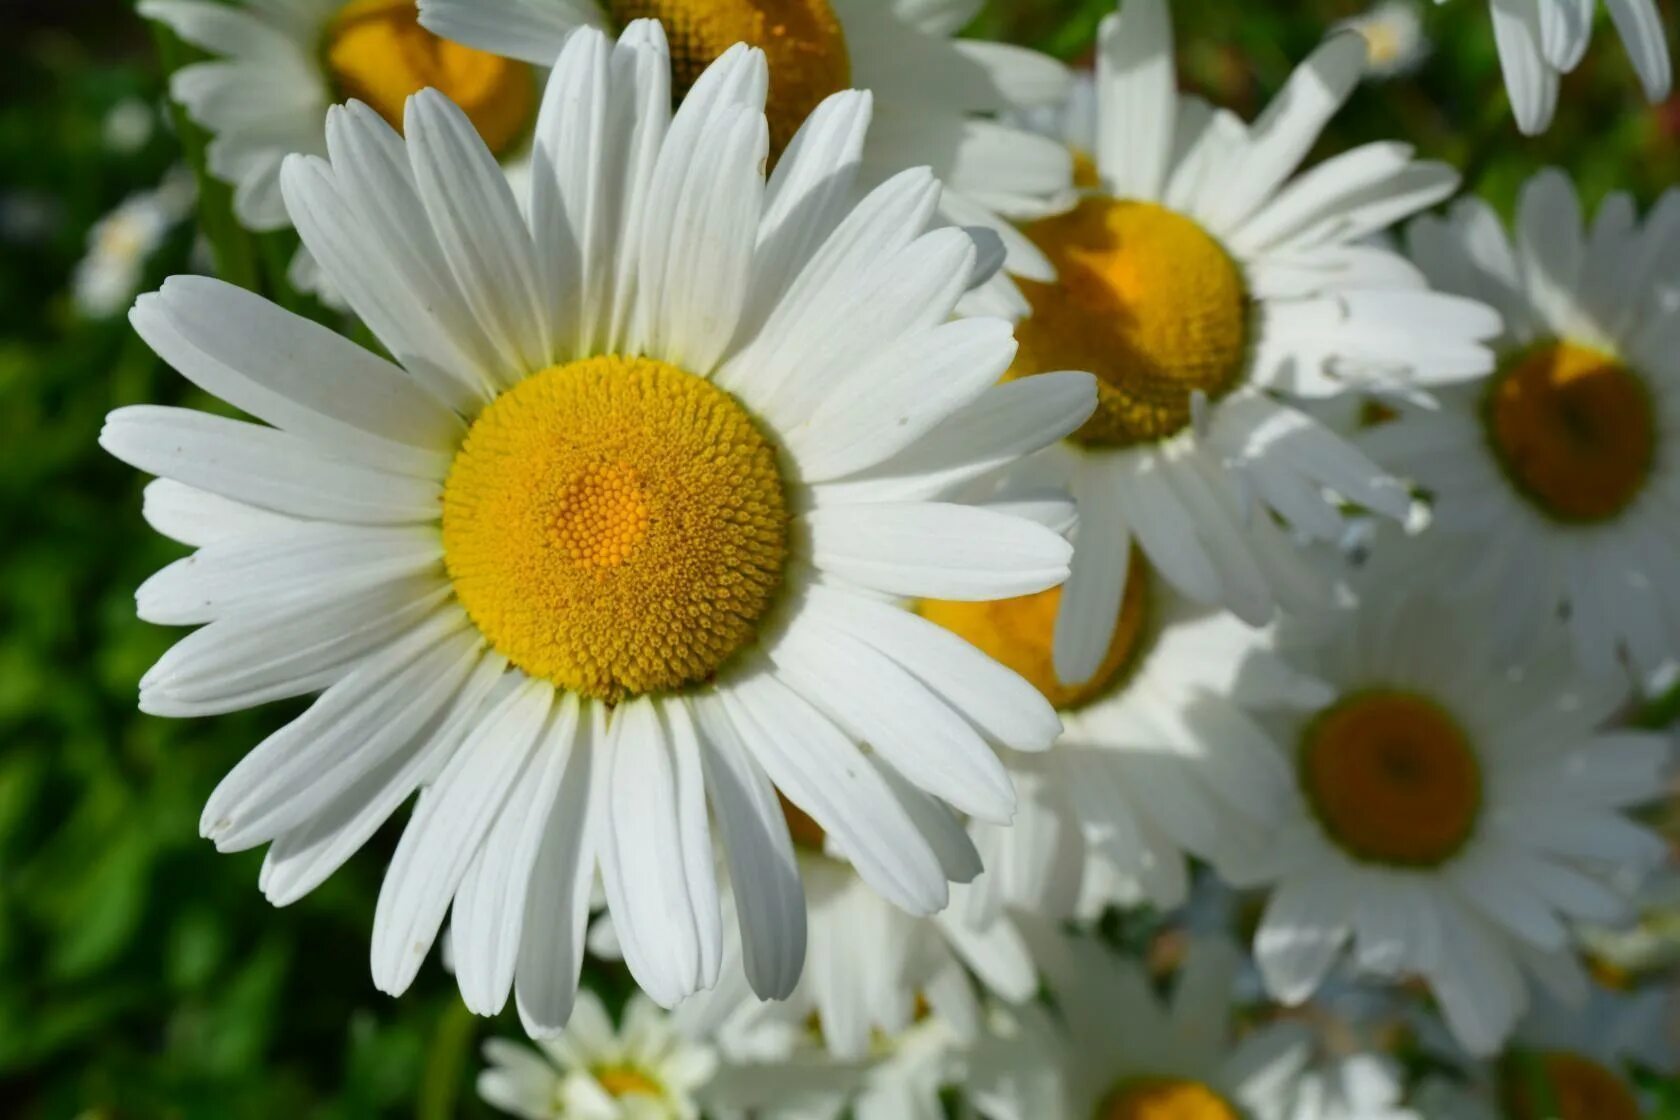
{"x":1351,"y":1087}
{"x":1541,"y":40}
{"x":935,"y":95}
{"x":1117,"y":1051}
{"x":1161,"y":754}
{"x":1395,"y":42}
{"x":1555,"y":482}
{"x":1579,"y":1057}
{"x":120,"y":244}
{"x":277,"y":64}
{"x":1449,"y":818}
{"x":646,"y":1070}
{"x":1206,"y":285}
{"x":612,"y":540}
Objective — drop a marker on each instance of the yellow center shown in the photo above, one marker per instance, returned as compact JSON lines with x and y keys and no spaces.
{"x":1165,"y":1098}
{"x":616,"y":526}
{"x":1020,"y":633}
{"x":377,"y":52}
{"x":1148,"y":302}
{"x":1579,"y":1088}
{"x":626,"y":1081}
{"x":802,"y":40}
{"x":1392,"y":779}
{"x":1575,"y":430}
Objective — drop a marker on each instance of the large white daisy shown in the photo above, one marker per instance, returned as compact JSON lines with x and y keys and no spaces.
{"x":1555,"y":482}
{"x":1207,"y":285}
{"x":1162,"y":754}
{"x":1541,"y":40}
{"x":645,"y":1070}
{"x":936,"y":96}
{"x":1449,"y":818}
{"x":278,"y":64}
{"x":614,"y":538}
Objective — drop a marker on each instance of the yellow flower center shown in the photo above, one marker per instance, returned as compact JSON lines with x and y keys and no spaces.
{"x":802,"y":40}
{"x":1579,"y":1088}
{"x":616,"y":526}
{"x":1575,"y":430}
{"x":1392,"y":779}
{"x":1020,"y":633}
{"x":626,"y":1081}
{"x":377,"y":52}
{"x":1165,"y":1098}
{"x":1145,"y":300}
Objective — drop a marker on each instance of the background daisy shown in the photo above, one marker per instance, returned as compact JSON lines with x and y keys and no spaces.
{"x":647,"y":408}
{"x":1542,"y":40}
{"x":1554,"y":483}
{"x":1451,"y":819}
{"x":935,"y":95}
{"x":1207,"y":284}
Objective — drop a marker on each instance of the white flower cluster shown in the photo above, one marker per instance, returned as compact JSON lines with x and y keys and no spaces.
{"x":933,"y":546}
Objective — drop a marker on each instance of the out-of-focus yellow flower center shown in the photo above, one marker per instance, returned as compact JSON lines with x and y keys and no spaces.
{"x":802,"y":40}
{"x":627,"y":1081}
{"x":1165,"y":1098}
{"x":1579,"y":1088}
{"x":806,"y":833}
{"x":1148,"y":302}
{"x":1392,"y":779}
{"x":1020,"y":633}
{"x":377,"y":52}
{"x":1575,"y":430}
{"x":616,"y":526}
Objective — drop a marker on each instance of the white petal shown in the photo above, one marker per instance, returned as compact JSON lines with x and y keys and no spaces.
{"x":1137,"y":91}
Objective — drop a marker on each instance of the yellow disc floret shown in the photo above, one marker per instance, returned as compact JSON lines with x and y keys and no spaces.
{"x":1148,"y":302}
{"x":1165,"y":1098}
{"x":627,"y":1081}
{"x":1575,"y":430}
{"x":802,"y":41}
{"x":1020,"y":633}
{"x":377,"y":52}
{"x":616,"y":526}
{"x":1579,"y":1088}
{"x":1392,"y":779}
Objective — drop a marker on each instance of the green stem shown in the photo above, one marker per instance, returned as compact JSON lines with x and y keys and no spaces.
{"x":446,"y":1059}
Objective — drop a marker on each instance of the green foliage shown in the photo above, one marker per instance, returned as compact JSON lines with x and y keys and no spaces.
{"x":142,"y":974}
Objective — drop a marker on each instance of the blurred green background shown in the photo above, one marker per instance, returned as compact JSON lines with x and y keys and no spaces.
{"x":141,"y":974}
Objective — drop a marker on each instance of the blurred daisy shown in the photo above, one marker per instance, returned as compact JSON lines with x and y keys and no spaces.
{"x":614,"y":541}
{"x":120,"y":244}
{"x":1205,"y":284}
{"x":935,"y":95}
{"x":1578,"y":1059}
{"x":874,"y":971}
{"x":1450,"y":819}
{"x":1117,"y":1051}
{"x":1541,"y":40}
{"x":1554,"y":487}
{"x":1395,"y":44}
{"x":277,"y":64}
{"x":645,"y":1071}
{"x":1160,"y":755}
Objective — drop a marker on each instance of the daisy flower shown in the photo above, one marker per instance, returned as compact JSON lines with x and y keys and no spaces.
{"x":1118,"y":1051}
{"x":1450,"y":819}
{"x":1395,"y":44}
{"x":936,"y":96}
{"x":874,"y":971}
{"x":120,"y":244}
{"x":1205,"y":284}
{"x":1161,"y":754}
{"x":646,"y":1070}
{"x":277,"y":64}
{"x":1577,"y":1059}
{"x":613,"y":540}
{"x":1555,"y":487}
{"x":1541,"y":40}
